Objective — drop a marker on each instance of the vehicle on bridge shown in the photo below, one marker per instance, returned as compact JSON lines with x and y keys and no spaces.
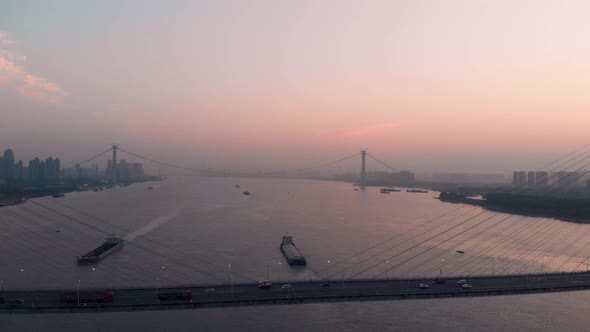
{"x":86,"y":296}
{"x":466,"y":286}
{"x":265,"y":284}
{"x":180,"y":295}
{"x":462,"y":281}
{"x":424,"y":286}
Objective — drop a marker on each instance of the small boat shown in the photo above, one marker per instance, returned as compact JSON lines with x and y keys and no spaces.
{"x":383,"y":191}
{"x":237,"y":186}
{"x":150,"y":188}
{"x":417,"y":191}
{"x":356,"y":189}
{"x":59,"y":195}
{"x":246,"y":193}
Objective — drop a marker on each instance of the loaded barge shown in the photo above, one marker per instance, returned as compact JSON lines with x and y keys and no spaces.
{"x":111,"y":244}
{"x":291,"y":253}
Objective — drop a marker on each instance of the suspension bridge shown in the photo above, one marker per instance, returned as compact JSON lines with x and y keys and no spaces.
{"x":514,"y":255}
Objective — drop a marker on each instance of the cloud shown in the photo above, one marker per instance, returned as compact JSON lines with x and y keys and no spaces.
{"x":29,"y":85}
{"x":364,"y":131}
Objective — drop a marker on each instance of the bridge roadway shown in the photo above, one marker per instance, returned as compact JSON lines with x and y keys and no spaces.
{"x":47,"y":301}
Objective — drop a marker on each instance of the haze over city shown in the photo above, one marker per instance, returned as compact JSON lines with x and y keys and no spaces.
{"x":426,"y":85}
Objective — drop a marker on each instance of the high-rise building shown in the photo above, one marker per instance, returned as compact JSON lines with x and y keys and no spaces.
{"x":36,"y":170}
{"x":8,"y":166}
{"x":541,"y":179}
{"x":530,"y":179}
{"x":51,"y":172}
{"x":519,"y":178}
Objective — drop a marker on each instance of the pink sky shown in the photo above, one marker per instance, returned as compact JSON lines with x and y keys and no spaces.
{"x":431,"y":85}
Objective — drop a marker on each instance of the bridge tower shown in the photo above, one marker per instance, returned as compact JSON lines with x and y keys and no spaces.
{"x":114,"y":175}
{"x":363,"y":169}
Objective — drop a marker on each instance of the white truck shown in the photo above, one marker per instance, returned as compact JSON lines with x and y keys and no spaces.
{"x":264,"y":284}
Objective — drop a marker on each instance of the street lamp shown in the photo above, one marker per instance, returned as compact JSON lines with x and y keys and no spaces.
{"x":230,"y":279}
{"x":494,"y":267}
{"x":386,"y":276}
{"x":78,"y":292}
{"x":543,"y":265}
{"x":157,"y":286}
{"x":441,"y":267}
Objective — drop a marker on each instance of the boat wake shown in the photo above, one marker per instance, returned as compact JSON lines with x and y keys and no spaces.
{"x":152,"y":225}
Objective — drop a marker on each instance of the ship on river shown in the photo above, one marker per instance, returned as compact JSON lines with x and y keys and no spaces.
{"x":291,"y":253}
{"x":111,"y":244}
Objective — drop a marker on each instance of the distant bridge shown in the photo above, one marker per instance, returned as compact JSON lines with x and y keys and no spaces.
{"x":296,"y":292}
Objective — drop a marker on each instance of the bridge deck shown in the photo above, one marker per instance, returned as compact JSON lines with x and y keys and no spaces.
{"x":47,"y":301}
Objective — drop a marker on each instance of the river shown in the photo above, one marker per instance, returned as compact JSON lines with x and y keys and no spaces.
{"x":189,"y":230}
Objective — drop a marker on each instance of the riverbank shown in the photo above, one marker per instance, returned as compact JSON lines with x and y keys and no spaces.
{"x":20,"y":194}
{"x":571,"y":209}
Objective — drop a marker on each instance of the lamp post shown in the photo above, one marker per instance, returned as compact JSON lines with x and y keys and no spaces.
{"x":441,"y":267}
{"x":386,"y":270}
{"x":231,"y":283}
{"x":157,"y":286}
{"x":494,"y":267}
{"x":543,"y":265}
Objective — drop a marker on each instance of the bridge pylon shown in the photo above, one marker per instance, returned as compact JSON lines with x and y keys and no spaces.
{"x":115,"y":171}
{"x":363,"y":169}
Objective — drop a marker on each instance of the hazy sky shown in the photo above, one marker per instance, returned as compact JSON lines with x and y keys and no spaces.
{"x":426,"y":85}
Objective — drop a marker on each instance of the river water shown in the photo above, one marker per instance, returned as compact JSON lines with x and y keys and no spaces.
{"x":190,"y":230}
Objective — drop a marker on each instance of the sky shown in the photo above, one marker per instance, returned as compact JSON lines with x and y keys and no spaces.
{"x":456,"y":85}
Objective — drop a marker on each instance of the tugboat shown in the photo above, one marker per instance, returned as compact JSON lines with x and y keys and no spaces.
{"x":59,"y":195}
{"x":246,"y":193}
{"x":111,"y":244}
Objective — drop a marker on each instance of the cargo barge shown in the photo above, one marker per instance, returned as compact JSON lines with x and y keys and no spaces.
{"x":291,"y":253}
{"x":111,"y":244}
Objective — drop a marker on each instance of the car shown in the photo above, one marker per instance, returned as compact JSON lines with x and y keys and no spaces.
{"x":424,"y":286}
{"x":325,"y":284}
{"x":467,"y":286}
{"x":265,"y":284}
{"x":20,"y":301}
{"x":462,"y":281}
{"x":209,"y":290}
{"x":286,"y":286}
